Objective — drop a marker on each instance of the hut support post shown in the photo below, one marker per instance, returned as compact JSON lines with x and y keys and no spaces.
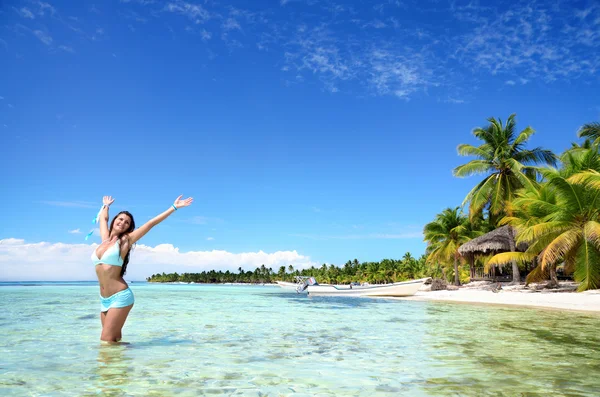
{"x":472,"y":266}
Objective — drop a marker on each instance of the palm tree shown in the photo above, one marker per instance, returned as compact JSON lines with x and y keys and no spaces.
{"x":445,"y":235}
{"x":508,"y":165}
{"x":591,"y":131}
{"x":567,"y":226}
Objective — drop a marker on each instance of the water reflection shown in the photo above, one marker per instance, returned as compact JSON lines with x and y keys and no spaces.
{"x":500,"y":351}
{"x":113,"y":370}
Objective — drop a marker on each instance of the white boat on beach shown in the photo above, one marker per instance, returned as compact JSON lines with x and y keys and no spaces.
{"x":299,"y":286}
{"x":287,"y":285}
{"x":404,"y":288}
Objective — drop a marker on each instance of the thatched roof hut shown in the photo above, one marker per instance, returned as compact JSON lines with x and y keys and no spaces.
{"x":493,"y":242}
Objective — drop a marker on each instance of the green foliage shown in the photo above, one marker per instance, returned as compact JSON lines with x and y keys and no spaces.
{"x":506,"y":163}
{"x":450,"y":229}
{"x":386,"y":271}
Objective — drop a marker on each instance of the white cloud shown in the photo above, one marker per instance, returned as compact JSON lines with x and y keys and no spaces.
{"x":44,"y":37}
{"x":66,"y":48}
{"x":75,"y":231}
{"x":21,"y":261}
{"x":510,"y":82}
{"x":195,"y":12}
{"x":454,"y":100}
{"x":25,"y":13}
{"x":206,"y":35}
{"x":45,"y":7}
{"x":210,"y":238}
{"x":545,"y":41}
{"x":231,"y":24}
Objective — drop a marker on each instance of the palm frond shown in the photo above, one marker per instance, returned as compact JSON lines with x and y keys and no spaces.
{"x":591,"y":130}
{"x":498,"y":197}
{"x":587,"y":269}
{"x":471,"y":168}
{"x":537,"y":274}
{"x":505,"y":258}
{"x":517,"y":171}
{"x":536,"y":156}
{"x":589,"y":178}
{"x":562,"y":244}
{"x":470,"y":150}
{"x":480,"y":195}
{"x":591,"y":232}
{"x":523,"y":136}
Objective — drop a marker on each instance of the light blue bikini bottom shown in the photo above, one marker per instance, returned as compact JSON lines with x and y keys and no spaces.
{"x":120,"y":299}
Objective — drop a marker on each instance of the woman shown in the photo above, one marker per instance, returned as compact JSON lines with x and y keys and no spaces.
{"x":111,"y":258}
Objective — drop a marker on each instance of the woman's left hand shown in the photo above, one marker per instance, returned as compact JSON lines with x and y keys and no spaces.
{"x":183,"y":203}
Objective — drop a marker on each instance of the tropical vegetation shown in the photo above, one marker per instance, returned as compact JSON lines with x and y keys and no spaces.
{"x":552,"y":204}
{"x":386,"y":271}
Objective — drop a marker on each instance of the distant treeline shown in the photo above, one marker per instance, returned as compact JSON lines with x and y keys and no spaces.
{"x":388,"y":270}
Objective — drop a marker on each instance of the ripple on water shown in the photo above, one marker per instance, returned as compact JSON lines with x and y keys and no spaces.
{"x":252,"y":341}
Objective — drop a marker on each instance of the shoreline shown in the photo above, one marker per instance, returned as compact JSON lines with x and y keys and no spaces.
{"x":562,"y":298}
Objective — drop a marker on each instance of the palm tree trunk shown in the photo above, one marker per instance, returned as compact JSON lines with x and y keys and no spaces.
{"x":472,"y":267}
{"x":516,"y":278}
{"x":553,"y":279}
{"x":456,"y":278}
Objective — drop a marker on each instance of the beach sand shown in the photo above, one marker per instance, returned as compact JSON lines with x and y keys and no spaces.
{"x":562,"y":298}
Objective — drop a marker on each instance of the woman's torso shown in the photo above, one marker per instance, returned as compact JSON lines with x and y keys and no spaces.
{"x":108,"y":261}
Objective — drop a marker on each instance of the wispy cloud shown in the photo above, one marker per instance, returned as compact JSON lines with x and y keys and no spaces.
{"x":195,"y":12}
{"x":206,"y":35}
{"x":231,"y":24}
{"x":454,"y":100}
{"x":535,"y":40}
{"x":66,"y":48}
{"x":25,"y":13}
{"x":210,"y":238}
{"x":75,"y":231}
{"x":351,"y":50}
{"x":20,"y":260}
{"x":43,"y":37}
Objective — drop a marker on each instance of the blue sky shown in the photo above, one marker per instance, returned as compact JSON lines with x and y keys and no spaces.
{"x":308,"y":132}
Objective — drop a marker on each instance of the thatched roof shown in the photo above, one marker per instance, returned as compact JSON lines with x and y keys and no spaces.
{"x":493,"y":242}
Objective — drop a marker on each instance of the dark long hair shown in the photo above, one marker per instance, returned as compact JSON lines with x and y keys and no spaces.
{"x":131,"y":229}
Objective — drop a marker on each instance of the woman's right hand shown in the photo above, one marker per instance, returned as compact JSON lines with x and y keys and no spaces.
{"x":107,"y":200}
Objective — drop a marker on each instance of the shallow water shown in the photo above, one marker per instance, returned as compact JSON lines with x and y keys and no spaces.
{"x":190,"y":340}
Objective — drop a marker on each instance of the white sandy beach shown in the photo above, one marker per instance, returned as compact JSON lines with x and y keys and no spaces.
{"x":534,"y":296}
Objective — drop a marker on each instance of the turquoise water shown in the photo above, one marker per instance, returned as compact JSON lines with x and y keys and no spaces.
{"x":190,"y":340}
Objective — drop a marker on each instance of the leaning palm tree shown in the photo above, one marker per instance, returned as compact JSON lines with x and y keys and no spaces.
{"x":568,"y":221}
{"x":530,"y":209}
{"x":449,"y":230}
{"x":508,"y":166}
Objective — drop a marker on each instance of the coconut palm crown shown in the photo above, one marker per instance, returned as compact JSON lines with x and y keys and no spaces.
{"x":508,"y":165}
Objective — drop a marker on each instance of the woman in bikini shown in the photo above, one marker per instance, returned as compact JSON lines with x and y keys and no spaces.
{"x":111,"y":258}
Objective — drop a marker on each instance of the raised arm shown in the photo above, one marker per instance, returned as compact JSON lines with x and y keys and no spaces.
{"x":106,"y":202}
{"x":145,"y":228}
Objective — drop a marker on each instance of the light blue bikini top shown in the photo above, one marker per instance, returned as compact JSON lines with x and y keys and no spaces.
{"x":112,"y":256}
